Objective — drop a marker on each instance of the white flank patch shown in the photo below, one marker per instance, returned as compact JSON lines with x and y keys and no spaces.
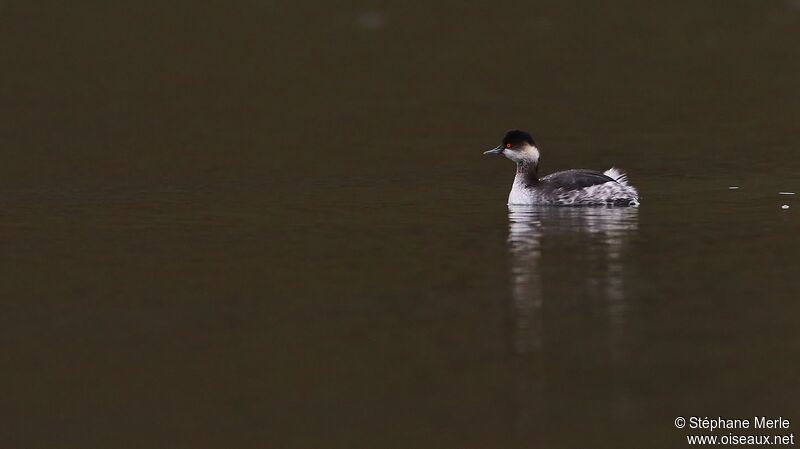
{"x":599,"y":194}
{"x":785,"y":193}
{"x":617,"y":175}
{"x":733,"y":188}
{"x":785,"y":206}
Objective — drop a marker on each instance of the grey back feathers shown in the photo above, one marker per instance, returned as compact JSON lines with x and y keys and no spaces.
{"x":577,"y":179}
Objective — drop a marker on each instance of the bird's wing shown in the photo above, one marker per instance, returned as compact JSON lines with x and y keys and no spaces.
{"x":576,"y":179}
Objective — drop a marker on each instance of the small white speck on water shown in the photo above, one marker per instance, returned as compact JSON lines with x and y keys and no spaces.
{"x":785,"y":206}
{"x":785,"y":193}
{"x":733,"y":188}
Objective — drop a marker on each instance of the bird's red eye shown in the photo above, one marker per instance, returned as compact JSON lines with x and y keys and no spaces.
{"x":508,"y":145}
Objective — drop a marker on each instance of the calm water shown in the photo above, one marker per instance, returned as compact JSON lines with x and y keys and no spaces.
{"x":267,"y":224}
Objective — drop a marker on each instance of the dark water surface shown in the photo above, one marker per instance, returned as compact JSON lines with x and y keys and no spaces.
{"x":269,"y":224}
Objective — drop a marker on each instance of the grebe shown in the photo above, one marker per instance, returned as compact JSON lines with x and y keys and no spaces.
{"x":567,"y":188}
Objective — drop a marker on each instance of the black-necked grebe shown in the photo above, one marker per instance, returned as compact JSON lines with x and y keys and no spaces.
{"x":569,"y":187}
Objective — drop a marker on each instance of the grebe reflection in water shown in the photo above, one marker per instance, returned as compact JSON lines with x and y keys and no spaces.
{"x":567,"y":274}
{"x":587,"y":243}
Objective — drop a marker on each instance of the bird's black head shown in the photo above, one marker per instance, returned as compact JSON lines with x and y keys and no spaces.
{"x":518,"y":146}
{"x":515,"y":138}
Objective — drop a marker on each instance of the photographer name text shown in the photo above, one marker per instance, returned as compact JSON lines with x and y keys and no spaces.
{"x":758,"y":422}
